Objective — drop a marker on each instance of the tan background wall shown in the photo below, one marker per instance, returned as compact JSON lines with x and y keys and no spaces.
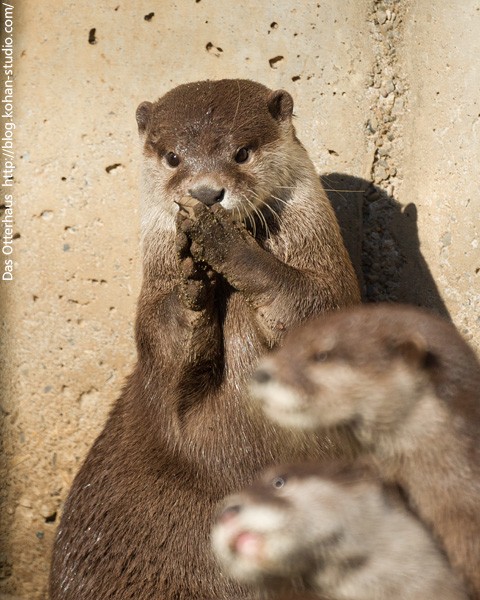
{"x":385,"y":91}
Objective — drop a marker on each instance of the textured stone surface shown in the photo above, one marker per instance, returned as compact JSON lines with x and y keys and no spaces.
{"x":387,"y":103}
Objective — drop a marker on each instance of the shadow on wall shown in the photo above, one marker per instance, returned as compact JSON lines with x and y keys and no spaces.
{"x":383,"y":243}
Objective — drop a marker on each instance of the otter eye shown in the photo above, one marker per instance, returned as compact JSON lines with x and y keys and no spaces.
{"x":320,"y":356}
{"x":278,"y":482}
{"x":242,"y":155}
{"x":173,"y":160}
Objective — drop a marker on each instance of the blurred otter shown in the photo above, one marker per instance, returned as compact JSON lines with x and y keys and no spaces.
{"x":407,"y":386}
{"x":337,"y":529}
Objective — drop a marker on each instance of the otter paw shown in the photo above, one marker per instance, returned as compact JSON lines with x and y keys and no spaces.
{"x":194,"y":294}
{"x":197,"y":280}
{"x":196,"y":284}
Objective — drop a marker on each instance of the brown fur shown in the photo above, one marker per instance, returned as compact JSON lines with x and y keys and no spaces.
{"x":408,"y":387}
{"x":180,"y":437}
{"x":335,"y":527}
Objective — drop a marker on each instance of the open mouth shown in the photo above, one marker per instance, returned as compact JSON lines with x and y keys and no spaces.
{"x":247,"y":544}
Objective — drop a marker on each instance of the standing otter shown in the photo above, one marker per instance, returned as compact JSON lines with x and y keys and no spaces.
{"x":255,"y":249}
{"x":336,"y":527}
{"x":408,"y":387}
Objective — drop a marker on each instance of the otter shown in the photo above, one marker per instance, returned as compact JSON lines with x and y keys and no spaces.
{"x":338,"y":528}
{"x":407,"y":386}
{"x":239,"y":244}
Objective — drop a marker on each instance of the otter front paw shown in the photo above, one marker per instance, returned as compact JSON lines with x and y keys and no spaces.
{"x":197,"y":280}
{"x":215,"y":236}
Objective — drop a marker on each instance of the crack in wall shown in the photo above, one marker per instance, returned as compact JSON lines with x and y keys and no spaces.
{"x":381,"y":256}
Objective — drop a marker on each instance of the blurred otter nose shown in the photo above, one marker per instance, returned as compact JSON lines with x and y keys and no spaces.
{"x":207,"y":195}
{"x":262,"y":376}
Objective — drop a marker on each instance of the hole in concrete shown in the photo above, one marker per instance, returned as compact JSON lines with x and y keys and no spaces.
{"x":51,"y":518}
{"x":213,"y":49}
{"x":149,"y":17}
{"x":273,"y":61}
{"x":91,"y":36}
{"x":111,"y":167}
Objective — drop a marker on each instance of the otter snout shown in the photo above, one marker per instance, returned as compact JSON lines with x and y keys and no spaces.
{"x":261,"y":376}
{"x":206,"y":194}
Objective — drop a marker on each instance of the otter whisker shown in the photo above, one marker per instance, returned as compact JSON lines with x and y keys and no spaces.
{"x":260,"y":213}
{"x":344,"y":191}
{"x":237,"y":107}
{"x":243,"y":123}
{"x":274,"y":212}
{"x":254,"y":212}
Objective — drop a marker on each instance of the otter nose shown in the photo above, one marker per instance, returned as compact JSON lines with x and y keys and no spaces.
{"x":262,"y":376}
{"x":207,"y":195}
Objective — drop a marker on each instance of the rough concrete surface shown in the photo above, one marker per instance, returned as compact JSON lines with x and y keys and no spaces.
{"x":387,"y":102}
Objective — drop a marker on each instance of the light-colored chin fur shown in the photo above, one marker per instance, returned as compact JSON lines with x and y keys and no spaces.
{"x":283,"y":405}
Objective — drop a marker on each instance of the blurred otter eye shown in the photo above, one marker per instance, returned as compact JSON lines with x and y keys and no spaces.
{"x":172,"y":159}
{"x":278,"y":482}
{"x":320,"y":356}
{"x":242,"y":155}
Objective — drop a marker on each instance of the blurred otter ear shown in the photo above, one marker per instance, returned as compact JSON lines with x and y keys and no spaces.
{"x":143,"y":113}
{"x":413,"y":349}
{"x":280,"y":105}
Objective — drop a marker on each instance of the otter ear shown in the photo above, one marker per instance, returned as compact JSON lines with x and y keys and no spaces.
{"x":142,"y":115}
{"x":280,"y":105}
{"x":414,"y":350}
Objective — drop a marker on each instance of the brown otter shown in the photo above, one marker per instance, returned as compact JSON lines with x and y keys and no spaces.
{"x":338,"y":528}
{"x":215,"y":295}
{"x":408,"y":386}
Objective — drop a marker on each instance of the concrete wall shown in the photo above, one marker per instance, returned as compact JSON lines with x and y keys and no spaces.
{"x":387,"y":103}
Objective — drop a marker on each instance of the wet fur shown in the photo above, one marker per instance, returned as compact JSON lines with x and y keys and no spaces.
{"x":181,"y":436}
{"x":408,"y":387}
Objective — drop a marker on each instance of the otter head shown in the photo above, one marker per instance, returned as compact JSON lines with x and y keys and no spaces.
{"x":360,"y":367}
{"x":230,"y":142}
{"x":296,"y":518}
